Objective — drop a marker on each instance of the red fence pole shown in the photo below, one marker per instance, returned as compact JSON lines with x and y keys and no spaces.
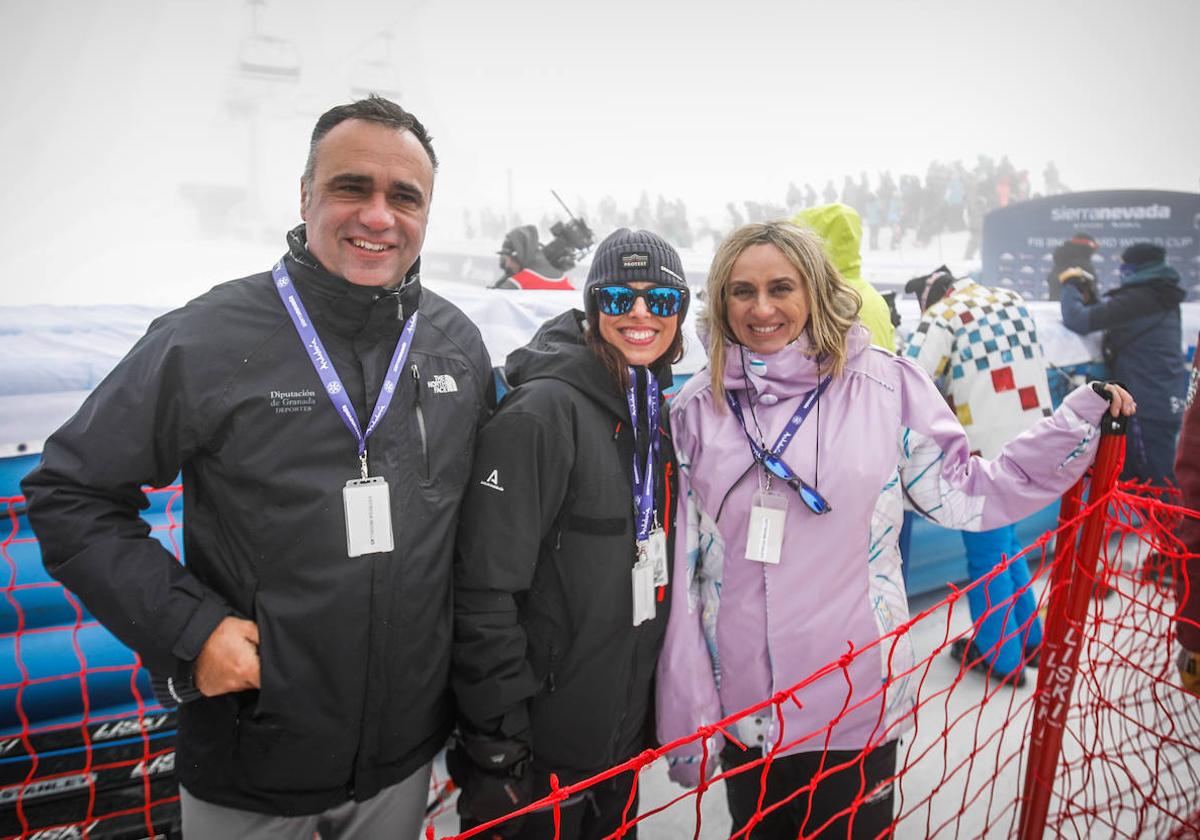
{"x":1064,"y":540}
{"x":1062,"y":643}
{"x":1060,"y":570}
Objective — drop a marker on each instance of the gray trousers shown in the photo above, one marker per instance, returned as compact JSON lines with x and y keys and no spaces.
{"x":397,"y":812}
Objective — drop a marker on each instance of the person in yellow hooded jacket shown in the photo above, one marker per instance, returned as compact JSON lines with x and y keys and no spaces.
{"x":840,"y":227}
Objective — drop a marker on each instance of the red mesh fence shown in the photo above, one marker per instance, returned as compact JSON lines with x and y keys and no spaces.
{"x":86,"y":751}
{"x":1130,"y":762}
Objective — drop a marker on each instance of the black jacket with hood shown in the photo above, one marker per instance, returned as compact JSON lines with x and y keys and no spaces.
{"x":354,"y":651}
{"x":1142,"y":337}
{"x":545,"y":649}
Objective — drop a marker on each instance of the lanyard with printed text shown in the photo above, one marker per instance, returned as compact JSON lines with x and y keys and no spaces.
{"x":324,"y":364}
{"x":789,"y":431}
{"x":643,"y":480}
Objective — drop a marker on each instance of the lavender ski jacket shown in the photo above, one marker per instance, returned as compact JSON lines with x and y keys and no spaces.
{"x":740,"y":630}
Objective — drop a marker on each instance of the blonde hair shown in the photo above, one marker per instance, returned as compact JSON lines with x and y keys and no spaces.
{"x":832,"y":304}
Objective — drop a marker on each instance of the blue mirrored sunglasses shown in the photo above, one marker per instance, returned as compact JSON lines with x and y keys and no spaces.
{"x":662,"y":301}
{"x":813,"y":500}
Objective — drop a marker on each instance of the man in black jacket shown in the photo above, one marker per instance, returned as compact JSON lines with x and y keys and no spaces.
{"x":1142,"y":347}
{"x":322,"y":414}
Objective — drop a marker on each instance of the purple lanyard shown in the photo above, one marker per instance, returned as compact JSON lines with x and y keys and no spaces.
{"x":643,"y":480}
{"x":789,"y":431}
{"x":324,"y":364}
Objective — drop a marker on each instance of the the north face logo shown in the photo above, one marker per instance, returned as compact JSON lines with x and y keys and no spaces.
{"x":443,"y":383}
{"x":493,"y":481}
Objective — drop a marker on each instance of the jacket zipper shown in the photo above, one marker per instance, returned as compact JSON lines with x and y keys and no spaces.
{"x":666,"y":525}
{"x":638,"y":635}
{"x":416,"y":375}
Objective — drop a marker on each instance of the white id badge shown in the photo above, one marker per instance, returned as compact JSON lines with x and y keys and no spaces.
{"x":368,"y":516}
{"x":643,"y":592}
{"x":656,"y":553}
{"x":764,"y":538}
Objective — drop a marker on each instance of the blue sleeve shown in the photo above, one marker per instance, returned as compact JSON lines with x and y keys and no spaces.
{"x":1076,"y":316}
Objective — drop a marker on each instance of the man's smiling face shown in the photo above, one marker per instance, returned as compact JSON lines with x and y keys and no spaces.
{"x":367,"y":206}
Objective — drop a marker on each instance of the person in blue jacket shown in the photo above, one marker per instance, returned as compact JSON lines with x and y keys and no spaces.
{"x":1142,"y":348}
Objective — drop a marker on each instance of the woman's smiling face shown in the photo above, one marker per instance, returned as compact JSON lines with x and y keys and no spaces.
{"x":638,"y":335}
{"x":766,"y":300}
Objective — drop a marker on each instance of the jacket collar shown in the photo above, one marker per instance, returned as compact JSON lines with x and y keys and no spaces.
{"x":346,"y":308}
{"x":1156,"y":272}
{"x":788,"y":372}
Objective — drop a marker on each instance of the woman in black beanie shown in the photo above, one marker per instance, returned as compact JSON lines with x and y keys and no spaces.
{"x":566,"y":530}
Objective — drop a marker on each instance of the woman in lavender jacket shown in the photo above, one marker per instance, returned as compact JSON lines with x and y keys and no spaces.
{"x":799,"y":427}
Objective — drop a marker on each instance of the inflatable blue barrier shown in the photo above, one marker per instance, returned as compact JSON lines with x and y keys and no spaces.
{"x":80,"y":729}
{"x":936,"y":554}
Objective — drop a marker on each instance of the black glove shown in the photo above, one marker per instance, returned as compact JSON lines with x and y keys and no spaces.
{"x":1083,"y":281}
{"x":494,"y":777}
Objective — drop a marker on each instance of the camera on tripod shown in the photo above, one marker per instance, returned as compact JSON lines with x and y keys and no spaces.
{"x":571,"y":241}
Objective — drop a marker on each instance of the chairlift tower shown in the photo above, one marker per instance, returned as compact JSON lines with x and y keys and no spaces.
{"x":267,"y":67}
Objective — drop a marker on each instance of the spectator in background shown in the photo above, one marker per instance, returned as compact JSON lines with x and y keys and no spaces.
{"x":1054,"y":184}
{"x":864,"y":192}
{"x":910,"y":203}
{"x":874,"y":216}
{"x":1187,"y":584}
{"x":1021,"y":186}
{"x":956,"y":197}
{"x":830,"y":192}
{"x":840,"y":228}
{"x":1142,"y":348}
{"x":810,"y":195}
{"x":887,"y":188}
{"x":893,"y":221}
{"x":525,"y":265}
{"x":977,"y":208}
{"x":1073,"y":258}
{"x":1006,"y":178}
{"x":932,"y":217}
{"x":981,"y":348}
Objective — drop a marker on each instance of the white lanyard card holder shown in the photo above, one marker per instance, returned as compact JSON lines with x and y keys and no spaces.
{"x":764,"y":537}
{"x":656,"y":553}
{"x":643,"y":592}
{"x":368,"y":516}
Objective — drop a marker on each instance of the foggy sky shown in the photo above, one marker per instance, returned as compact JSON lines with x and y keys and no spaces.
{"x":120,"y":116}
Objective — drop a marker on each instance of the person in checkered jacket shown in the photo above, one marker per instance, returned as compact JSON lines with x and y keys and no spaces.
{"x":980,"y":345}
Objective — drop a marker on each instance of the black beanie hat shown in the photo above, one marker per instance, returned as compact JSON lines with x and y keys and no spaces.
{"x":930,"y":288}
{"x":627,"y":256}
{"x":1143,"y":253}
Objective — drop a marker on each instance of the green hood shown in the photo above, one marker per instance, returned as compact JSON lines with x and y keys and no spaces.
{"x":841,"y":228}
